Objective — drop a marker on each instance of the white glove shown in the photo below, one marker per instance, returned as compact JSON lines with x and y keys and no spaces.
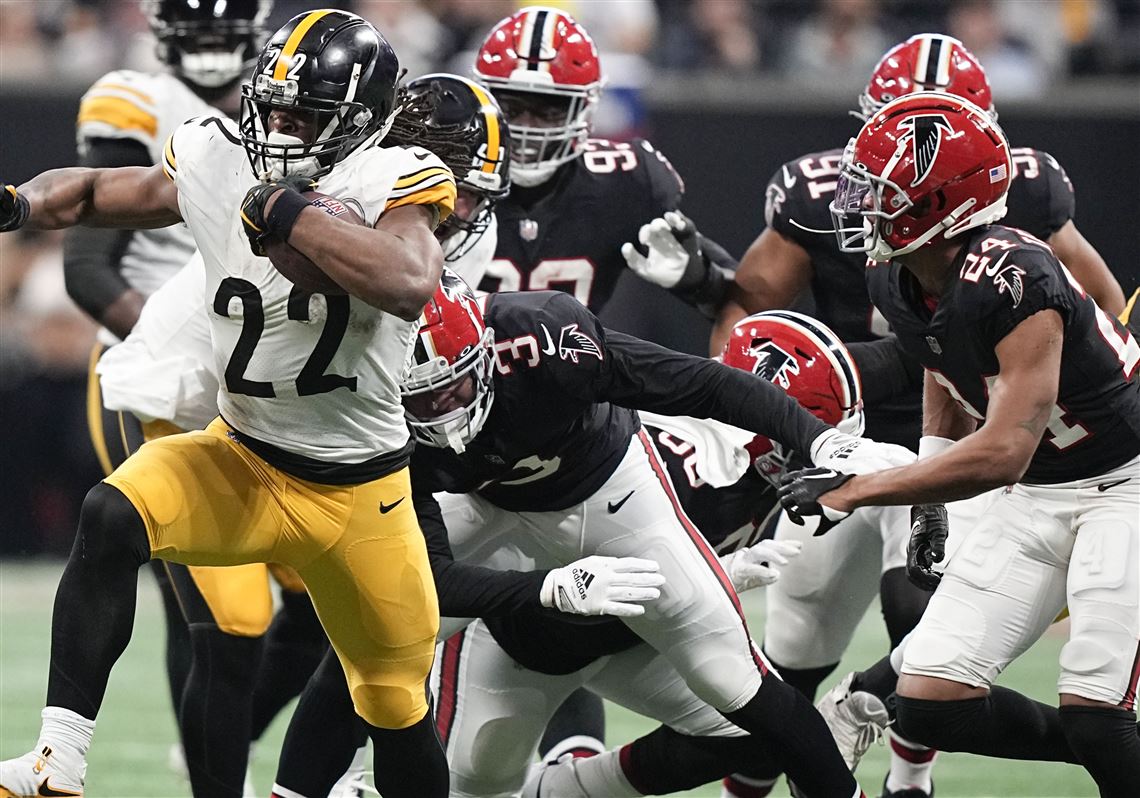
{"x":753,"y":566}
{"x":603,"y":586}
{"x":672,"y":243}
{"x":848,"y":454}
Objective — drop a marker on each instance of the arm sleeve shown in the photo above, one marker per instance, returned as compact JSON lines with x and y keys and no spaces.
{"x":471,"y":591}
{"x":91,"y":255}
{"x":719,"y":273}
{"x":666,"y":188}
{"x":885,"y":370}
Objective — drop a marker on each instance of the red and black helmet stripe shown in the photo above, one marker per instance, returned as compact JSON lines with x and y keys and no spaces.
{"x":533,"y":57}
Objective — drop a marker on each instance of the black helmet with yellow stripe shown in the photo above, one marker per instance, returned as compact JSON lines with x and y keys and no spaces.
{"x":459,"y":121}
{"x":337,"y":71}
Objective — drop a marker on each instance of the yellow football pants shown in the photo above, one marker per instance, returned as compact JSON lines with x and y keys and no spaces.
{"x":207,"y":500}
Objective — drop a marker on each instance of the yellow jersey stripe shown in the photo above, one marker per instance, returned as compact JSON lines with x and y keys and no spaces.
{"x":118,"y":113}
{"x":168,"y":154}
{"x":100,"y":87}
{"x":491,"y":118}
{"x":427,"y":182}
{"x":442,"y":196}
{"x":416,"y":177}
{"x":1129,"y":307}
{"x":95,"y":412}
{"x":284,"y":61}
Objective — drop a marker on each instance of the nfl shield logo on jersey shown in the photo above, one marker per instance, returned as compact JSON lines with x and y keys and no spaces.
{"x":935,"y":347}
{"x":528,"y":229}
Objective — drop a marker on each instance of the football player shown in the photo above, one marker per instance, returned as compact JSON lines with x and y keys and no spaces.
{"x":1030,"y":385}
{"x":790,"y":256}
{"x":526,"y":420}
{"x":575,"y":199}
{"x":313,"y":438}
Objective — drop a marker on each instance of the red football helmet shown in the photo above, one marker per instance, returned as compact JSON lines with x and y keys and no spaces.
{"x":924,"y":168}
{"x":541,"y":57}
{"x":927,"y":62}
{"x":447,"y":387}
{"x":805,"y":358}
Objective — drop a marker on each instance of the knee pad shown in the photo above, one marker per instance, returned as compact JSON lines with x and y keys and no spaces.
{"x":389,"y":706}
{"x":110,"y":526}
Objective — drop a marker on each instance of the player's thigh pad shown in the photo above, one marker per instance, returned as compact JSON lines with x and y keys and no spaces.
{"x":237,"y":600}
{"x":373,"y":591}
{"x":697,"y":623}
{"x":1000,"y":592}
{"x":813,"y":609}
{"x":491,"y":712}
{"x":645,"y":682}
{"x":1101,"y":660}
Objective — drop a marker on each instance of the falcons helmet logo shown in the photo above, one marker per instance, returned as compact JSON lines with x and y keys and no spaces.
{"x":925,"y":136}
{"x":572,"y":343}
{"x":774,"y":364}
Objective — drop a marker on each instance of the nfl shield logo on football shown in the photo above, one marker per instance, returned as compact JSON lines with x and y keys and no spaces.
{"x":935,"y":347}
{"x":528,"y":229}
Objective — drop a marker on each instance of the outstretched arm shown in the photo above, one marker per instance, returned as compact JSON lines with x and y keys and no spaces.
{"x":133,"y":197}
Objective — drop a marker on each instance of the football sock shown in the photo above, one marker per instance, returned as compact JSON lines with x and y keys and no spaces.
{"x":738,"y":786}
{"x":68,"y":734}
{"x":1106,"y":743}
{"x":666,"y":761}
{"x":903,"y":603}
{"x":911,"y":765}
{"x":1003,"y":724}
{"x":797,"y":736}
{"x":294,"y":647}
{"x":215,"y":710}
{"x":409,"y":763}
{"x":879,"y":680}
{"x":322,"y":737}
{"x":178,"y":654}
{"x":577,"y":727}
{"x":95,"y":602}
{"x":806,"y":680}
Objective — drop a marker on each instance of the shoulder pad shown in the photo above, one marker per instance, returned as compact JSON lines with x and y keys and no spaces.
{"x":121,"y":104}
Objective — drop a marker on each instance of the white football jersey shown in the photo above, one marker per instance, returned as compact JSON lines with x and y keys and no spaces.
{"x":313,"y":375}
{"x":147,"y":108}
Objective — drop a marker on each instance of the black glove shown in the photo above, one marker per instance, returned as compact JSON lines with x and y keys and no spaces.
{"x":800,"y":491}
{"x":279,"y":223}
{"x":929,"y":528}
{"x":14,"y":209}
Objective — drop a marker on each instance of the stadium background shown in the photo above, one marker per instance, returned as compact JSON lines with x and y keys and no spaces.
{"x":728,"y":89}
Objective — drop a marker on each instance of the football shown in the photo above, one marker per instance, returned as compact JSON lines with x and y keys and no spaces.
{"x":296,"y":267}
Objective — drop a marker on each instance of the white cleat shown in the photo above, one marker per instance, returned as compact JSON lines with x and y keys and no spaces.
{"x":856,"y":719}
{"x":555,"y":780}
{"x":40,"y":775}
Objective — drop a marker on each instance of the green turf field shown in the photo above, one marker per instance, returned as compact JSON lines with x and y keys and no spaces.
{"x":135,"y":731}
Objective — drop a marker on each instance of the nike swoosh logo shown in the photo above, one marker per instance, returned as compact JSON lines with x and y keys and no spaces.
{"x":47,"y":791}
{"x":387,"y":508}
{"x":549,"y":348}
{"x":825,"y":475}
{"x":422,"y":156}
{"x":615,"y":506}
{"x":789,"y":181}
{"x":1102,"y":487}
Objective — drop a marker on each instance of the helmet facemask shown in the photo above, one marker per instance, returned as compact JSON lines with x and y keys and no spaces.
{"x":537,"y":150}
{"x":447,"y":404}
{"x":208,"y":52}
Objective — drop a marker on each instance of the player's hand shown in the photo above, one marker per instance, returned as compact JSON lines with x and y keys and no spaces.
{"x":853,"y":455}
{"x":674,"y":260}
{"x":599,"y":585}
{"x":929,"y":528}
{"x":800,"y":493}
{"x":755,"y":566}
{"x":14,"y":209}
{"x":258,"y":217}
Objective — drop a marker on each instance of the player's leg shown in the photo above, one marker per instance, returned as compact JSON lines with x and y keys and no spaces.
{"x":1100,"y":663}
{"x":372,"y":587}
{"x":697,"y":623}
{"x":1001,"y":590}
{"x":577,"y":727}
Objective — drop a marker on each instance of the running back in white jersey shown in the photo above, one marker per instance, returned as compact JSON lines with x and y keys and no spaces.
{"x":313,"y":375}
{"x":146,"y":108}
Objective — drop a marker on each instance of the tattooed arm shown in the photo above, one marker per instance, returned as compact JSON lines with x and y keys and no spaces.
{"x":998,"y":453}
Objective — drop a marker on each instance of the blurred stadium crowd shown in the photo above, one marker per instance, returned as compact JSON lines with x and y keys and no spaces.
{"x":1027,"y":46}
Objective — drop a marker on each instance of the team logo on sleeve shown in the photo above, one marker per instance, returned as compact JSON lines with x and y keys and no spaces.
{"x":774,"y":364}
{"x":925,"y":133}
{"x":573,"y":343}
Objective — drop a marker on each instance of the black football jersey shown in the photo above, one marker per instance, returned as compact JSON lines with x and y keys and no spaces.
{"x":1004,"y":277}
{"x":1040,"y":201}
{"x":566,"y":234}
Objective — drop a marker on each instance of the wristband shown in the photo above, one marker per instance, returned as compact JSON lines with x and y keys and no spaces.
{"x":22,"y":209}
{"x":930,"y":445}
{"x":283,"y":215}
